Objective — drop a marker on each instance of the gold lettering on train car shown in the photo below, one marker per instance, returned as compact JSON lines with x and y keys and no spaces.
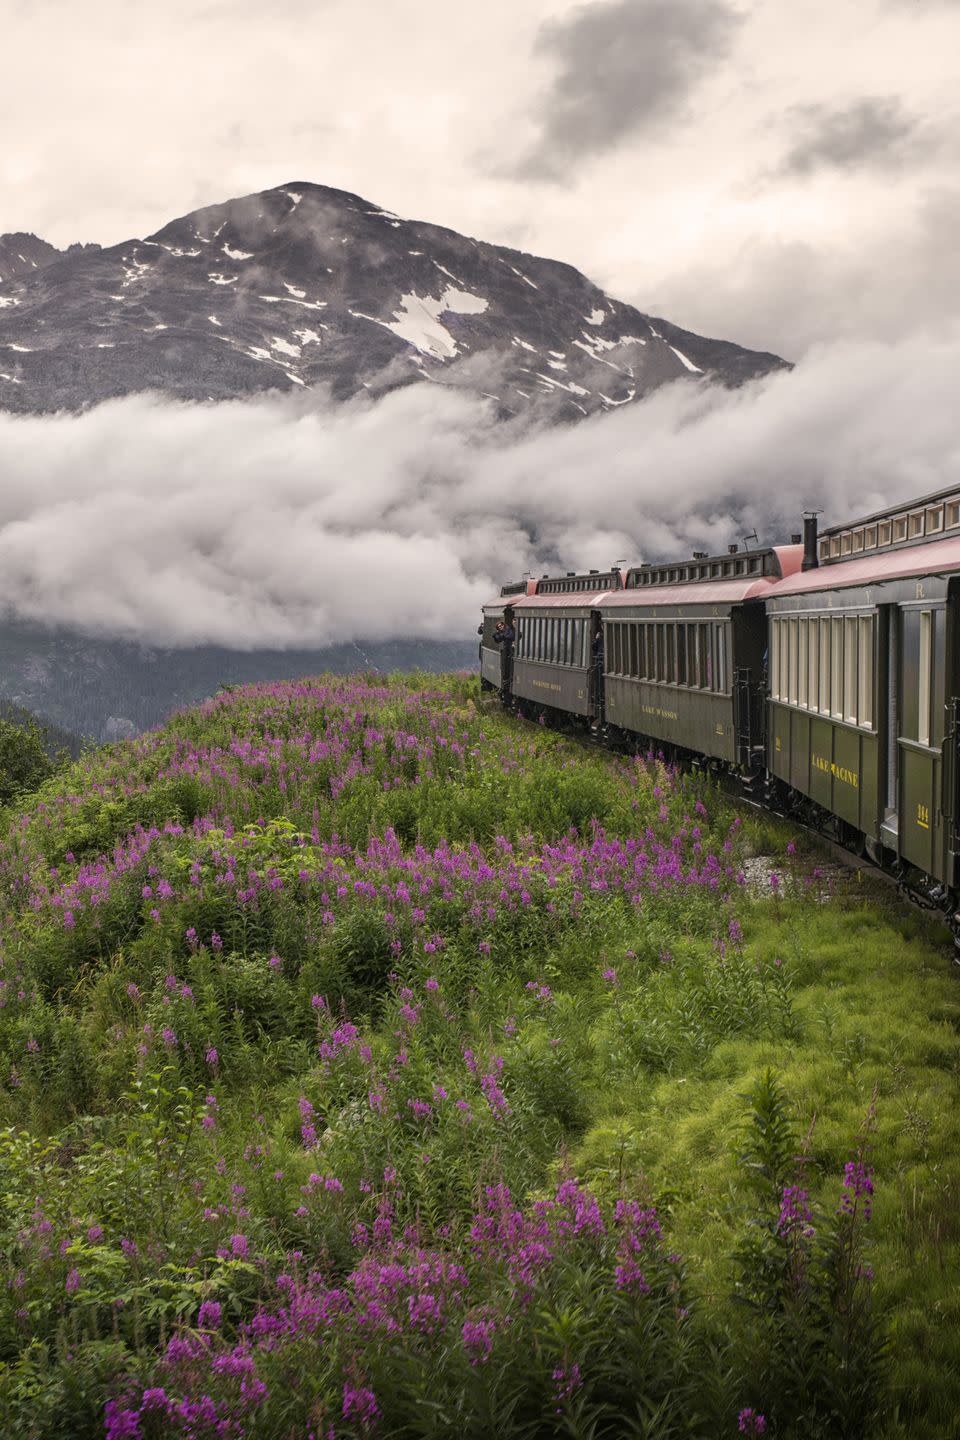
{"x":839,"y":772}
{"x":923,"y":816}
{"x":718,"y":730}
{"x":776,"y":743}
{"x":545,"y":685}
{"x":660,"y":713}
{"x":920,"y":594}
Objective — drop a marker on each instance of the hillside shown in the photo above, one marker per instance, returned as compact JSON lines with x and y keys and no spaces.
{"x":304,"y":286}
{"x":378,"y":1066}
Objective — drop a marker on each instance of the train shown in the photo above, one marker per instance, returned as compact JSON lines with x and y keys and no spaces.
{"x":822,"y":676}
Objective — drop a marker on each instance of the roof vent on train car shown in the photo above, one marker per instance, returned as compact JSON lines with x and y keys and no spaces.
{"x":570,"y":574}
{"x":594,"y":572}
{"x":810,"y":561}
{"x":732,"y":549}
{"x":699,"y":554}
{"x":796,"y":539}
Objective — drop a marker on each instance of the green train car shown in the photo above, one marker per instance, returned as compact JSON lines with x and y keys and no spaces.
{"x":684,"y":653}
{"x":828,"y":668}
{"x":862,"y":687}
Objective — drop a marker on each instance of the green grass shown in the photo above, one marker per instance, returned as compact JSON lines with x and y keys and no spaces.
{"x":639,"y":1084}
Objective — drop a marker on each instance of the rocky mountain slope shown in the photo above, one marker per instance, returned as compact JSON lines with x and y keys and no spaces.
{"x":303,"y":286}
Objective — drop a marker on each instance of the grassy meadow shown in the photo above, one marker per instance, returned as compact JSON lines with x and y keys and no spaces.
{"x":373,"y":1064}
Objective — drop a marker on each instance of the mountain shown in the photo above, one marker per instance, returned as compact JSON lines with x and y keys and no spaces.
{"x":107,"y":689}
{"x":303,"y":286}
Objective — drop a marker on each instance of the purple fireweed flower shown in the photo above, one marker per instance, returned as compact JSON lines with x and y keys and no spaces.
{"x":751,"y":1423}
{"x":212,"y":1058}
{"x":566,"y":1380}
{"x":72,"y":1282}
{"x":240,"y":1246}
{"x":857,"y":1185}
{"x":360,"y":1405}
{"x":610,"y":975}
{"x":210,"y":1316}
{"x":477,"y":1337}
{"x":795,"y":1213}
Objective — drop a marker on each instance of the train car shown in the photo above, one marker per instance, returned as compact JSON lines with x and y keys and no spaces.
{"x":864,"y":683}
{"x":491,"y":671}
{"x":684,"y":653}
{"x":552,"y":667}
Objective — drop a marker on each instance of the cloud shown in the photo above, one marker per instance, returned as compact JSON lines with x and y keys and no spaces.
{"x":875,"y":132}
{"x":787,"y":293}
{"x":287,"y":522}
{"x":624,"y":66}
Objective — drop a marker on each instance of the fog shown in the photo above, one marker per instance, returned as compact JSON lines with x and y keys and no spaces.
{"x":289,"y":521}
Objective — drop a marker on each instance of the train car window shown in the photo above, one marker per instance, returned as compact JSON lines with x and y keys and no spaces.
{"x":923,"y":689}
{"x":813,"y":664}
{"x":836,"y":668}
{"x":953,"y":514}
{"x":721,"y":668}
{"x":684,"y":644}
{"x":870,"y":537}
{"x":916,"y":525}
{"x":846,"y":544}
{"x":824,"y":706}
{"x":886,"y":533}
{"x":803,"y":643}
{"x":774,"y":663}
{"x":634,"y":649}
{"x":857,"y":541}
{"x":900,"y":528}
{"x":671,"y":667}
{"x":865,"y":679}
{"x":850,"y":669}
{"x":659,"y":652}
{"x":935,"y":520}
{"x":792,"y":686}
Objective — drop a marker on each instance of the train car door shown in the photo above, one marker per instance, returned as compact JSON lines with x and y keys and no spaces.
{"x":889,"y":716}
{"x":921,"y":628}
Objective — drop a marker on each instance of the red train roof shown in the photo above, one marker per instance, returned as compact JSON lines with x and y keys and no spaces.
{"x":566,"y":599}
{"x":711,"y":592}
{"x":937,"y":558}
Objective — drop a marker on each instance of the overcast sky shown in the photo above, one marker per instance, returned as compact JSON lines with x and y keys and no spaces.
{"x":774,"y":172}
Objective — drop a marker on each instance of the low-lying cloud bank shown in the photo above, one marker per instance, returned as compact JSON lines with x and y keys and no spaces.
{"x":288,"y":521}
